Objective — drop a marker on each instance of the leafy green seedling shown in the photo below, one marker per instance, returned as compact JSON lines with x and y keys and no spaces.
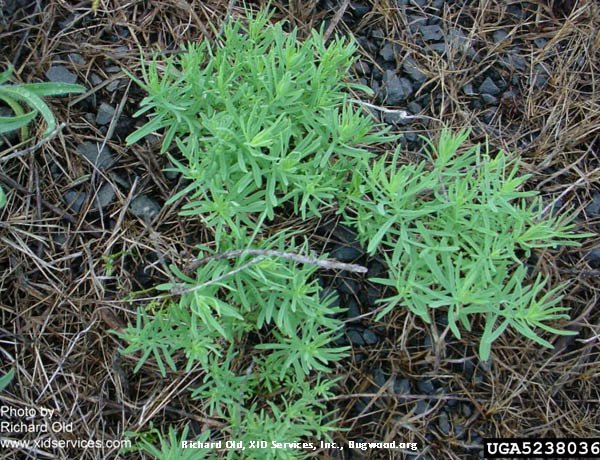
{"x":456,"y":231}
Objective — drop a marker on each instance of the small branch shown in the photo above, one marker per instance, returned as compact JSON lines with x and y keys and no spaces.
{"x":402,"y":113}
{"x":336,"y":19}
{"x":179,"y":289}
{"x":34,"y":147}
{"x":326,"y":264}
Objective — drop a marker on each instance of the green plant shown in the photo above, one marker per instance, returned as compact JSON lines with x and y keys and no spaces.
{"x":262,"y":126}
{"x":456,"y":231}
{"x":261,"y":121}
{"x":30,"y":94}
{"x":6,"y":379}
{"x":256,"y":124}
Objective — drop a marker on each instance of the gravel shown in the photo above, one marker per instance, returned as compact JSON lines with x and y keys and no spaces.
{"x":348,"y":286}
{"x":489,"y":99}
{"x":370,"y":337}
{"x":60,"y":74}
{"x":489,"y":87}
{"x":402,"y":386}
{"x":469,"y":90}
{"x":444,"y":423}
{"x":144,"y":207}
{"x":411,"y":68}
{"x":426,"y":387}
{"x":105,"y":196}
{"x":395,"y":90}
{"x":387,"y":52}
{"x":101,"y":159}
{"x":499,"y":36}
{"x":593,"y":209}
{"x":431,"y":33}
{"x":346,"y":253}
{"x":355,"y":337}
{"x":105,"y":114}
{"x":75,"y":199}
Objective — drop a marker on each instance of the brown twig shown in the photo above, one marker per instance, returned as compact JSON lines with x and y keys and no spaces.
{"x":327,"y":264}
{"x":35,"y":146}
{"x":336,"y":19}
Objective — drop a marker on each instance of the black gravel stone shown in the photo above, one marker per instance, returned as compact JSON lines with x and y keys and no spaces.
{"x":100,"y":158}
{"x":376,"y":269}
{"x":444,"y":423}
{"x":489,"y":87}
{"x":360,"y":9}
{"x":387,"y":52}
{"x":76,"y":59}
{"x":514,"y":61}
{"x":422,"y":407}
{"x":469,"y":90}
{"x":402,"y":386}
{"x":394,"y":89}
{"x":379,"y":377}
{"x":60,"y":74}
{"x":414,"y":107}
{"x":348,"y":286}
{"x":105,"y":114}
{"x":593,"y":209}
{"x":489,"y":99}
{"x":355,"y":337}
{"x":346,"y":253}
{"x":353,"y":311}
{"x":411,"y":68}
{"x":426,"y":386}
{"x":362,"y":68}
{"x":431,"y":33}
{"x":75,"y":200}
{"x":593,"y":258}
{"x":370,"y":296}
{"x":378,"y":34}
{"x":370,"y":337}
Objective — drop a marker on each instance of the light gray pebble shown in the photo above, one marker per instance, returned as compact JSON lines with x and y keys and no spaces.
{"x":105,"y":196}
{"x":144,"y":207}
{"x":499,"y":36}
{"x":77,"y":58}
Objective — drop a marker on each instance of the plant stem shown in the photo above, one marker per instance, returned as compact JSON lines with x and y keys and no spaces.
{"x":327,"y":264}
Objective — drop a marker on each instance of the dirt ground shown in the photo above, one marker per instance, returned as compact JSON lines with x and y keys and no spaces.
{"x":77,"y":239}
